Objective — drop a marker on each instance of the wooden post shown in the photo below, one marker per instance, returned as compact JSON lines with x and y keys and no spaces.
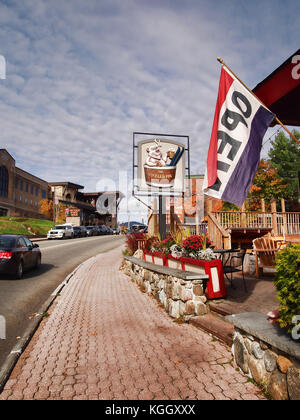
{"x":208,"y":211}
{"x":243,"y":216}
{"x":274,"y":217}
{"x":284,"y":227}
{"x":263,"y":209}
{"x":209,"y":206}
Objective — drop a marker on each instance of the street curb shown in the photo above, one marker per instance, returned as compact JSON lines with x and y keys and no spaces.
{"x":18,"y":349}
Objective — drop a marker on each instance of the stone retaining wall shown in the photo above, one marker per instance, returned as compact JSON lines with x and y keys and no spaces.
{"x":267,"y":354}
{"x":180,"y":292}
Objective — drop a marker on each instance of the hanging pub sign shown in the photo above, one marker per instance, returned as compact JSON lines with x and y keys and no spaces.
{"x":160,"y":166}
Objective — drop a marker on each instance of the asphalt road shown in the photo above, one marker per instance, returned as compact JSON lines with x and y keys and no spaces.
{"x":21,"y":299}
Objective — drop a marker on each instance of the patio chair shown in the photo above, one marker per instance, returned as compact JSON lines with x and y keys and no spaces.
{"x":235,"y":264}
{"x":265,"y":250}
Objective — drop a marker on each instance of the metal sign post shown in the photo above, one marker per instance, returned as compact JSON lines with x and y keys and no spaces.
{"x":162,"y":217}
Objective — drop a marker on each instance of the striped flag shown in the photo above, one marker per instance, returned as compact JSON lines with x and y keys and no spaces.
{"x":239,"y":126}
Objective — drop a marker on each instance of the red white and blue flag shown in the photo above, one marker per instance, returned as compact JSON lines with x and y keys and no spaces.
{"x":239,"y":126}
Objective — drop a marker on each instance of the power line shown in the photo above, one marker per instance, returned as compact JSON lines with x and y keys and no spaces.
{"x":274,"y":134}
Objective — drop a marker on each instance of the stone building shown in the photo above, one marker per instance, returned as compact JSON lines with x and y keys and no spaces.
{"x":81,"y":208}
{"x":20,"y":191}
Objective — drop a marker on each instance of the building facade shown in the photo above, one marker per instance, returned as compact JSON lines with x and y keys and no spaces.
{"x":20,"y":191}
{"x":81,"y":208}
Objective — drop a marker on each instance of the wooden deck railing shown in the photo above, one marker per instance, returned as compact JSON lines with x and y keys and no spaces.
{"x":281,"y":223}
{"x":217,"y":234}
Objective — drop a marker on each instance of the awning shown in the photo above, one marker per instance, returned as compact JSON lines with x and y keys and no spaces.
{"x":280,"y":91}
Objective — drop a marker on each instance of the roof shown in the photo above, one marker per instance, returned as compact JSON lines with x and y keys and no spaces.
{"x":66,"y":183}
{"x":100,"y":193}
{"x":20,"y":171}
{"x":4,"y":150}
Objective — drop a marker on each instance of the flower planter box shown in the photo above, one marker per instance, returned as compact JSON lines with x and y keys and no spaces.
{"x":155,"y":257}
{"x":173,"y":262}
{"x":214,"y":269}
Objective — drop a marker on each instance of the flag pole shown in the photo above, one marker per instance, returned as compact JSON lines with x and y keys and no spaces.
{"x":276,"y":118}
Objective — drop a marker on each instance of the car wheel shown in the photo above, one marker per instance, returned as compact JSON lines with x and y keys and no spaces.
{"x":20,"y":270}
{"x":38,"y":262}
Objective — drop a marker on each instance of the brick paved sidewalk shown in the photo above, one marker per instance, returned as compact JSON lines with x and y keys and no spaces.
{"x":105,"y":339}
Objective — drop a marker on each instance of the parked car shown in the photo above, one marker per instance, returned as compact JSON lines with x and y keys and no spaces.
{"x":116,"y":231}
{"x":107,"y":230}
{"x":136,"y":228}
{"x":91,"y":230}
{"x":17,"y":254}
{"x":83,"y":231}
{"x":61,"y":232}
{"x":101,"y":230}
{"x":77,"y":231}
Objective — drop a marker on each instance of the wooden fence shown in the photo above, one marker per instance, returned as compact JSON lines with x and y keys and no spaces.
{"x":283,"y":223}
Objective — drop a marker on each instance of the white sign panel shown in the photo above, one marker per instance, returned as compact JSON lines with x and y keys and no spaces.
{"x":161,"y":166}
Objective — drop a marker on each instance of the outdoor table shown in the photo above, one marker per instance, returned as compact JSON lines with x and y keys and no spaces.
{"x":223,"y":253}
{"x":230,"y":269}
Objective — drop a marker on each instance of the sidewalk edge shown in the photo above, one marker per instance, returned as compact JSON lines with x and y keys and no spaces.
{"x":18,"y":349}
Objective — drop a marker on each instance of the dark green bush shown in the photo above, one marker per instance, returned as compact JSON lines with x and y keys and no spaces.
{"x":287,"y":283}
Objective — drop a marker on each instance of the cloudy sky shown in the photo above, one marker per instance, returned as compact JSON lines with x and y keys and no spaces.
{"x":82,"y":76}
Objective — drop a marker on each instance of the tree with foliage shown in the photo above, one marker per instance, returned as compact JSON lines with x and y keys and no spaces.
{"x":46,"y":208}
{"x":266,"y":185}
{"x":284,"y":156}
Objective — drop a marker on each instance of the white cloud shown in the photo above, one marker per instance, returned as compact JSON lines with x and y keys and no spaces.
{"x":82,"y":76}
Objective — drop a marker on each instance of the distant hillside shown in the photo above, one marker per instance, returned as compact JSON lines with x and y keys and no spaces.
{"x":25,"y":226}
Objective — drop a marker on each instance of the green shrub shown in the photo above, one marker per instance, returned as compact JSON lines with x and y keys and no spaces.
{"x":287,"y":283}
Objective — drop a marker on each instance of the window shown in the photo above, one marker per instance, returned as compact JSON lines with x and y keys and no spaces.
{"x":31,"y":189}
{"x":21,"y":185}
{"x":3,"y":182}
{"x":26,"y":187}
{"x":43,"y":193}
{"x":3,"y":212}
{"x":7,"y":242}
{"x":28,"y":242}
{"x":16,"y":183}
{"x":20,"y":198}
{"x":21,"y":243}
{"x":37,"y":191}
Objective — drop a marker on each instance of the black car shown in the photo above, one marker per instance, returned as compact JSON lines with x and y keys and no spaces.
{"x":102,"y":230}
{"x":83,"y":231}
{"x":17,"y":254}
{"x":91,"y":231}
{"x":77,"y":231}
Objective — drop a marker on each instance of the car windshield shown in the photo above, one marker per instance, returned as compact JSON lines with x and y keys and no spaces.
{"x":7,"y":242}
{"x":59,"y":227}
{"x":89,"y":227}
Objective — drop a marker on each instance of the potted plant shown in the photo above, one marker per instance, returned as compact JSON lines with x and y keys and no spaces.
{"x":194,"y":254}
{"x":153,"y":251}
